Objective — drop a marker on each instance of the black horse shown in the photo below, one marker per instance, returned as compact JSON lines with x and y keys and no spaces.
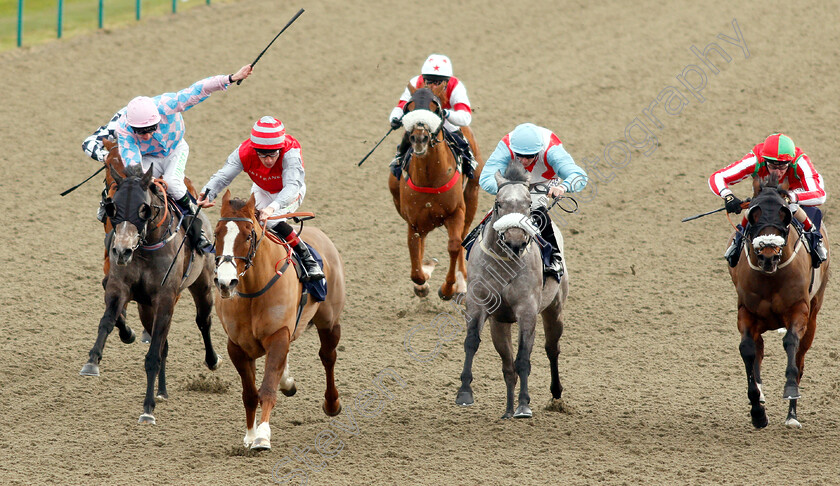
{"x":146,"y":228}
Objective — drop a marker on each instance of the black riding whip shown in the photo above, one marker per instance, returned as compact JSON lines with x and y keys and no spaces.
{"x":68,"y":191}
{"x":300,"y":12}
{"x":374,"y":147}
{"x":703,"y":214}
{"x":175,"y":258}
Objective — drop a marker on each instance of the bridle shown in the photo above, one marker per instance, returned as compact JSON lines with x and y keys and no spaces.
{"x":497,"y":219}
{"x":252,"y":250}
{"x":147,"y":217}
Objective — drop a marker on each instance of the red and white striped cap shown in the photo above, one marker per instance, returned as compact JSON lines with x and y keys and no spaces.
{"x":268,"y":133}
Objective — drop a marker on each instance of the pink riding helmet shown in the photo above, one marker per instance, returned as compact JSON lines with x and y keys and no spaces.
{"x":142,"y":112}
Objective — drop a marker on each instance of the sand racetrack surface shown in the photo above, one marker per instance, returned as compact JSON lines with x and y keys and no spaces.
{"x":655,"y":388}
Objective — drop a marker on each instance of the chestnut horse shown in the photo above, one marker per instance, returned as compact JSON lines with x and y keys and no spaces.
{"x":432,"y":192}
{"x":777,"y":288}
{"x":147,"y":234}
{"x":258,"y":307}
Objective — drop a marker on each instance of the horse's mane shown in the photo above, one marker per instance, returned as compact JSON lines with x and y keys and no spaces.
{"x":770,"y":182}
{"x":517,"y":172}
{"x":237,"y":204}
{"x":135,"y":170}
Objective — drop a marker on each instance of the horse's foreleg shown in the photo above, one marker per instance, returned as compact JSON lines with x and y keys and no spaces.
{"x":162,"y":393}
{"x":394,"y":187}
{"x":115,"y":302}
{"x":160,"y":331}
{"x":277,"y":350}
{"x":454,"y":227}
{"x":419,"y":274}
{"x":500,"y":332}
{"x":247,"y":369}
{"x":801,"y":347}
{"x":329,"y":341}
{"x":475,"y":322}
{"x":553,"y":326}
{"x":791,"y":342}
{"x":527,"y":329}
{"x":746,"y":321}
{"x":202,"y":294}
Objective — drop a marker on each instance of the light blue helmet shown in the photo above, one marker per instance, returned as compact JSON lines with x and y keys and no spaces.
{"x":525,"y":139}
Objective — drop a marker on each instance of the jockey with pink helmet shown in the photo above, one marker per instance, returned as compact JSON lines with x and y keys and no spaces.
{"x":542,"y":154}
{"x":457,"y":113}
{"x":779,"y":156}
{"x":274,"y":162}
{"x":150,"y":132}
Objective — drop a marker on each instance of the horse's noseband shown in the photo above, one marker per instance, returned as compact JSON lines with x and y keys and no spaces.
{"x":252,"y":250}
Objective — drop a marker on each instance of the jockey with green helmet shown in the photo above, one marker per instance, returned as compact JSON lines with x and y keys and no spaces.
{"x":436,"y":74}
{"x":778,"y":156}
{"x":542,"y":154}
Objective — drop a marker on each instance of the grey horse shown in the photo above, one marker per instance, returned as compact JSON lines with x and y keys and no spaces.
{"x":505,"y":284}
{"x":146,"y":240}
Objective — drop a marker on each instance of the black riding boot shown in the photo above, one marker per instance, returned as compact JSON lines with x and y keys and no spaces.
{"x":192,"y":225}
{"x":396,"y":165}
{"x":543,"y":221}
{"x":462,"y":147}
{"x":817,"y":247}
{"x":733,"y":253}
{"x":311,"y":269}
{"x":100,"y":215}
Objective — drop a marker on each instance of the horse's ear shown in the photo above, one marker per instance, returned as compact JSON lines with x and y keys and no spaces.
{"x":500,"y":179}
{"x":146,"y":180}
{"x":226,"y":198}
{"x":411,"y":88}
{"x":785,"y":214}
{"x":252,"y":201}
{"x":753,"y":214}
{"x":116,"y":175}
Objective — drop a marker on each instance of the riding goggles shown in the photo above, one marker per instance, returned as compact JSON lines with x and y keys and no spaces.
{"x":145,"y":130}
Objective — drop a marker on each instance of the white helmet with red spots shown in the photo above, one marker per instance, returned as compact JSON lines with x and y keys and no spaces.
{"x":437,"y":65}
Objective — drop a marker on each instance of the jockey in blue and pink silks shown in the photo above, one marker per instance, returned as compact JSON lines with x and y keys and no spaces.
{"x":542,"y":154}
{"x":150,"y":131}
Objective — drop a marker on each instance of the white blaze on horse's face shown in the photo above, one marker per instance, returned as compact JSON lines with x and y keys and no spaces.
{"x":421,"y":124}
{"x":126,"y":240}
{"x":226,"y":272}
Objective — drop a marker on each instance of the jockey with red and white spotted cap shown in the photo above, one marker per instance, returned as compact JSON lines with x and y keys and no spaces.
{"x":150,"y":132}
{"x":778,"y":156}
{"x":457,"y":113}
{"x":278,"y":187}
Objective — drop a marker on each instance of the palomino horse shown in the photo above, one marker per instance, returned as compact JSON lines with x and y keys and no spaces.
{"x":506,"y":284}
{"x":258,"y":307}
{"x":433,"y":193}
{"x":146,"y":228}
{"x":777,"y":288}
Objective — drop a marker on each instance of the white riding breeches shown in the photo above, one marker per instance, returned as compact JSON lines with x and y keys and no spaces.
{"x":170,"y":168}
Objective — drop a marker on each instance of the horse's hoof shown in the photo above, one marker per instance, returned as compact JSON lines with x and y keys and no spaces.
{"x":290,"y":392}
{"x":161,"y":396}
{"x":214,"y":366}
{"x":792,"y":392}
{"x":261,"y":444}
{"x":523,"y":411}
{"x":759,"y":417}
{"x":442,"y":296}
{"x":130,"y":338}
{"x":421,"y":290}
{"x":89,"y":369}
{"x":464,"y":398}
{"x":145,"y":337}
{"x":507,"y":415}
{"x":331,"y":414}
{"x":793,"y":423}
{"x":147,"y":419}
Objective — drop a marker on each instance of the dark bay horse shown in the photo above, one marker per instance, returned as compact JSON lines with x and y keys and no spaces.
{"x":146,"y":238}
{"x":505,"y":284}
{"x":433,"y":193}
{"x":258,"y":306}
{"x":777,"y":288}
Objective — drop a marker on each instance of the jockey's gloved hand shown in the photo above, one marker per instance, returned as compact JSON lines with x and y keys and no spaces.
{"x":395,"y":123}
{"x":733,"y":204}
{"x":445,"y":113}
